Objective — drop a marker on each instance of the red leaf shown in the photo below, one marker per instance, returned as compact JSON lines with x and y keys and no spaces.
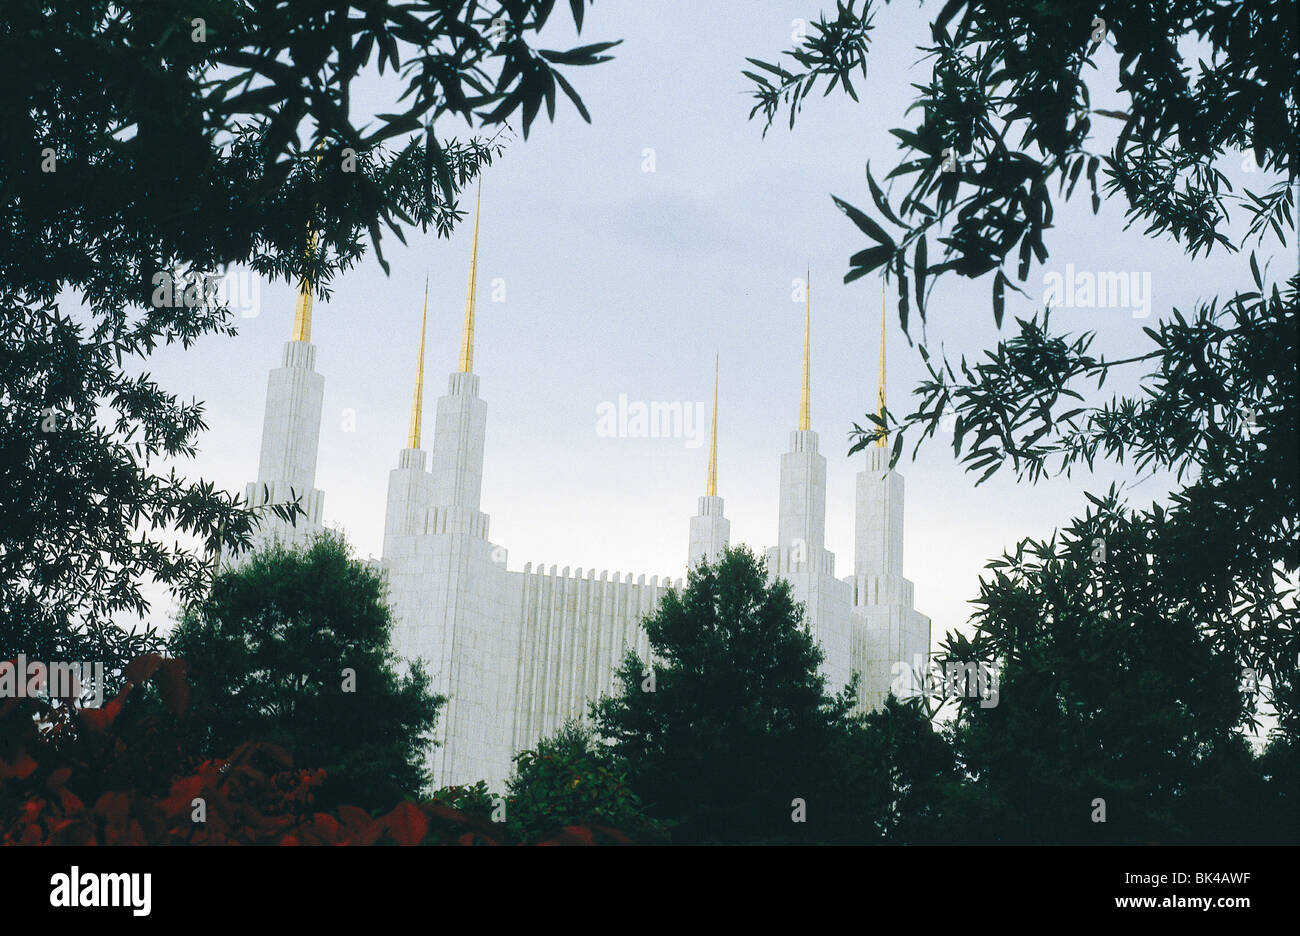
{"x":572,"y":835}
{"x":406,"y":824}
{"x":446,"y":813}
{"x":173,"y":686}
{"x":18,"y":769}
{"x":114,"y":807}
{"x":70,"y":802}
{"x":99,"y":720}
{"x":142,"y":667}
{"x":353,"y":818}
{"x":617,"y":837}
{"x":182,"y":796}
{"x":326,"y":826}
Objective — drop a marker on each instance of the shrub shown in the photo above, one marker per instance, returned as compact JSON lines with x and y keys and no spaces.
{"x":123,"y":775}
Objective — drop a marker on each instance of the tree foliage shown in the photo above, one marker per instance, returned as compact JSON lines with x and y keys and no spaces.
{"x":1216,"y":403}
{"x":150,"y":145}
{"x":1007,"y":111}
{"x":565,"y":780}
{"x":293,"y":648}
{"x":1136,"y":644}
{"x":736,"y":738}
{"x":126,"y":774}
{"x":1110,"y":691}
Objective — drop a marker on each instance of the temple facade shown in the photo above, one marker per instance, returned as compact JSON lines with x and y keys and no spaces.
{"x":517,"y":652}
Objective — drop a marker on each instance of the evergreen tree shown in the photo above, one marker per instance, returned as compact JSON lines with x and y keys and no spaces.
{"x":1118,"y":716}
{"x":897,"y":774}
{"x":566,"y":781}
{"x":728,"y":730}
{"x":293,"y":648}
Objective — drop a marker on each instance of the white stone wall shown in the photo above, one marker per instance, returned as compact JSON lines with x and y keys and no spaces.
{"x":878,"y":523}
{"x":710,"y":533}
{"x":827,"y":610}
{"x":801,"y":558}
{"x":802,"y":515}
{"x":460,"y":430}
{"x":447,"y":595}
{"x":448,"y":586}
{"x":410,"y":495}
{"x":290,"y":441}
{"x":890,"y":638}
{"x":890,"y":643}
{"x":574,"y":631}
{"x":291,"y":429}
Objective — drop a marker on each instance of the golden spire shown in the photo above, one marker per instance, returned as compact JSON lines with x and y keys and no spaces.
{"x":711,"y":490}
{"x":302,"y":309}
{"x":880,"y":389}
{"x":417,"y":405}
{"x":467,"y":333}
{"x":807,"y":320}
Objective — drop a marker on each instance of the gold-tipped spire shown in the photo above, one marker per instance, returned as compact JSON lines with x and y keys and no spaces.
{"x":417,"y":405}
{"x":711,"y":490}
{"x":467,"y":333}
{"x":880,"y":388}
{"x":804,"y":408}
{"x":302,"y":308}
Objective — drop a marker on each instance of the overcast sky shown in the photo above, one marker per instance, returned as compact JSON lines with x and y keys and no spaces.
{"x":618,"y":281}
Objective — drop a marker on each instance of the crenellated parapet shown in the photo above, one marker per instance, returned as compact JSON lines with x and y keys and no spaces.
{"x":575,"y":630}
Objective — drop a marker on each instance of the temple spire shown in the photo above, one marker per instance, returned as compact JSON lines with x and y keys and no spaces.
{"x":467,"y":333}
{"x":804,"y":408}
{"x":711,"y":490}
{"x":302,"y":309}
{"x":417,"y":405}
{"x":880,"y":388}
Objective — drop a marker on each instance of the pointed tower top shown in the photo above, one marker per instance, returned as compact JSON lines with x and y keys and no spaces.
{"x":417,"y":405}
{"x":804,"y":408}
{"x":467,"y":333}
{"x":302,"y":309}
{"x":711,"y":489}
{"x":880,"y":387}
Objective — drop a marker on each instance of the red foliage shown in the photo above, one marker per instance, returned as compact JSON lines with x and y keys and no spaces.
{"x":56,"y":759}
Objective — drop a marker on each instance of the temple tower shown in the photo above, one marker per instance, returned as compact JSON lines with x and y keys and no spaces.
{"x":286,"y":469}
{"x":447,"y":582}
{"x":710,"y":530}
{"x":800,"y":555}
{"x":891,"y":639}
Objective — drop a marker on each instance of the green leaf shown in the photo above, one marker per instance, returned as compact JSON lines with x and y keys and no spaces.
{"x":864,"y":223}
{"x":864,"y":261}
{"x":999,"y":298}
{"x":919,"y":260}
{"x":878,"y":197}
{"x":900,"y":270}
{"x":583,"y":55}
{"x":572,"y":94}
